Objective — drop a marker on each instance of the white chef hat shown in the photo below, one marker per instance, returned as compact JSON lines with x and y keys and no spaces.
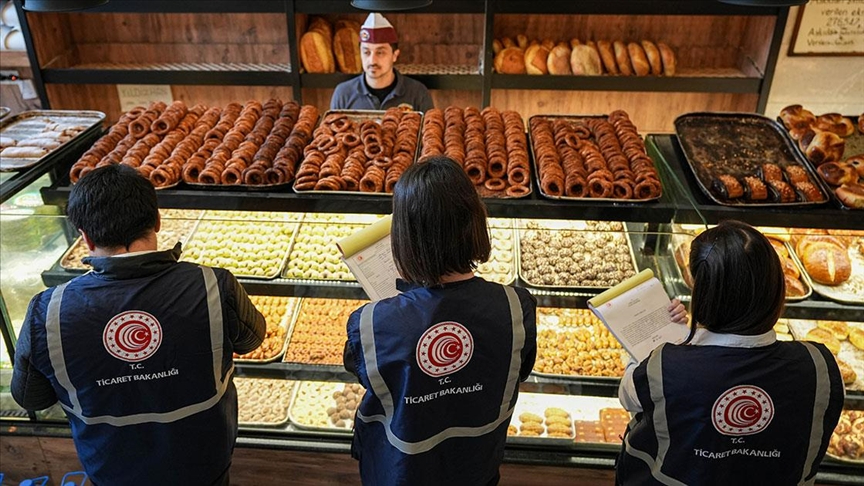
{"x":377,"y":30}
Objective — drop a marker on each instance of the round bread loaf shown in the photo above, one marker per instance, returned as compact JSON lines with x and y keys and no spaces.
{"x":622,"y":58}
{"x":511,"y":60}
{"x":607,"y":55}
{"x":653,"y":55}
{"x":826,"y":263}
{"x":535,"y":60}
{"x":638,"y":59}
{"x":585,"y":61}
{"x":558,"y":62}
{"x":670,"y":64}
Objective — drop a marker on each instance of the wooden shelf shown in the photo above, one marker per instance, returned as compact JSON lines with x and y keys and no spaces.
{"x":681,"y":84}
{"x":14,"y":59}
{"x":179,"y":77}
{"x":209,"y":6}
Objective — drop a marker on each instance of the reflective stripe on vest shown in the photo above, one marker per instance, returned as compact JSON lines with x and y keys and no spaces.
{"x":661,"y":425}
{"x":58,"y":363}
{"x":379,"y":387}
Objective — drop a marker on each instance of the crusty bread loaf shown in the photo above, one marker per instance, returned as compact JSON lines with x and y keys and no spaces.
{"x":535,"y":60}
{"x":826,"y":263}
{"x":607,"y":55}
{"x":670,"y":64}
{"x":346,"y":48}
{"x":343,"y":23}
{"x":638,"y":59}
{"x":511,"y":60}
{"x":653,"y":55}
{"x":585,"y":61}
{"x":316,"y":53}
{"x":622,"y":58}
{"x":320,"y":24}
{"x":559,"y":60}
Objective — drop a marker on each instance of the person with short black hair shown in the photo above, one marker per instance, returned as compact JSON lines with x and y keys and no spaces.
{"x":139,"y":351}
{"x":380,"y":86}
{"x":733,"y":405}
{"x":442,"y":361}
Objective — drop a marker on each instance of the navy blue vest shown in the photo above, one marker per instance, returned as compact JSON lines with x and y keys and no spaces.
{"x":441,"y":367}
{"x":142,"y":362}
{"x":724,"y":415}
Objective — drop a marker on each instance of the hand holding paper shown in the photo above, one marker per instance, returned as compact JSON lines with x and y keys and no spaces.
{"x":369,"y":257}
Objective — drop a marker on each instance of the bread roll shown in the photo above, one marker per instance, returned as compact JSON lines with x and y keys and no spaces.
{"x":839,"y":329}
{"x":622,"y":58}
{"x":835,"y":123}
{"x":851,"y":195}
{"x":846,"y":372}
{"x":607,"y":55}
{"x":825,"y":337}
{"x":585,"y":61}
{"x":837,"y":173}
{"x":558,"y":62}
{"x":857,"y":162}
{"x":638,"y":59}
{"x":825,"y":147}
{"x":795,"y":116}
{"x":856,"y":337}
{"x":522,"y":41}
{"x":497,"y":46}
{"x":653,"y":55}
{"x":535,"y":60}
{"x":315,"y":53}
{"x":668,"y":57}
{"x":827,"y":264}
{"x":346,"y":48}
{"x":794,"y":287}
{"x":511,"y":60}
{"x":23,"y":152}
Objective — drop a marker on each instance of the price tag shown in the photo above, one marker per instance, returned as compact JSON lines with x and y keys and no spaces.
{"x":829,"y":27}
{"x":132,"y":95}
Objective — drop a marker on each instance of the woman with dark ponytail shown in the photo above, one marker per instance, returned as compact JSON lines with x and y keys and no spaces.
{"x":732,"y":405}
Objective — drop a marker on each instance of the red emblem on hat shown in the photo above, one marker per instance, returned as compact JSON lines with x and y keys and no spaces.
{"x":742,"y":410}
{"x":444,"y":348}
{"x":132,"y":336}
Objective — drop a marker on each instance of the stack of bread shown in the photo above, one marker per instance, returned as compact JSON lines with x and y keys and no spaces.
{"x":823,"y":140}
{"x":847,"y":442}
{"x":325,"y":47}
{"x":579,"y":58}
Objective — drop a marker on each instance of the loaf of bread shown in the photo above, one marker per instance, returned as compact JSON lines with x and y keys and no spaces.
{"x":825,"y":337}
{"x":346,"y":48}
{"x":558,"y":62}
{"x":585,"y":61}
{"x":638,"y":59}
{"x":320,"y":24}
{"x":511,"y":60}
{"x":670,"y":64}
{"x":826,"y":263}
{"x":653,"y":55}
{"x":535,"y":59}
{"x":316,"y":54}
{"x":622,"y":58}
{"x":607,"y":55}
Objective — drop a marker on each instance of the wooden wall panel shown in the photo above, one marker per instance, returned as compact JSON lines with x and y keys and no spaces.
{"x":755,"y":45}
{"x":52,"y":38}
{"x":651,"y":112}
{"x":103,"y":97}
{"x":138,"y":53}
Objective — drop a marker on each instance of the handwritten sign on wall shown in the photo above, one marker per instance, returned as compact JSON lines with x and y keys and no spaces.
{"x":829,"y":28}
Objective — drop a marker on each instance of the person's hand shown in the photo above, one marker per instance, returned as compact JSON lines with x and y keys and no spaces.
{"x":677,"y":312}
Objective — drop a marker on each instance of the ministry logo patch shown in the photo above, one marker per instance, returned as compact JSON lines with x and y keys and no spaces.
{"x":132,"y":336}
{"x":742,"y":410}
{"x":444,"y":348}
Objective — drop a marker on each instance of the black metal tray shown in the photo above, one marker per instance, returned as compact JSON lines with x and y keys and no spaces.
{"x":28,"y":124}
{"x":734,"y":149}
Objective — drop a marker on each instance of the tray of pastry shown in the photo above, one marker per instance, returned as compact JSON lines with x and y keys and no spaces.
{"x":29,"y":137}
{"x":847,"y":441}
{"x":325,"y":406}
{"x":490,"y":145}
{"x":845,"y":339}
{"x":744,"y":159}
{"x":834,"y":145}
{"x":278,"y":313}
{"x":359,"y":152}
{"x":573,"y":343}
{"x":596,"y":157}
{"x":263,"y":402}
{"x":177,"y":226}
{"x":317,"y":334}
{"x":502,"y":264}
{"x":579,"y":255}
{"x":314,"y":254}
{"x":834,"y":264}
{"x":798,"y":285}
{"x":254,"y":247}
{"x":567,"y":420}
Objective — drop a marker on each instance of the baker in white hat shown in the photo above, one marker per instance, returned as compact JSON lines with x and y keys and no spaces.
{"x":380,"y":86}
